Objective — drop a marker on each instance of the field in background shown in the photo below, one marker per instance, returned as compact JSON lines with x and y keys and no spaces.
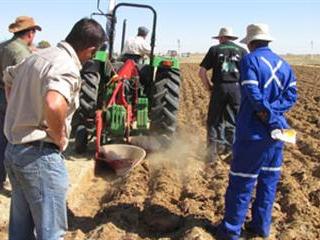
{"x":193,"y":58}
{"x":303,"y":59}
{"x":291,"y":58}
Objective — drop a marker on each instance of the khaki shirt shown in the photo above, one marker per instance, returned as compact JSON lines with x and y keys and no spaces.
{"x":55,"y":68}
{"x":12,"y":52}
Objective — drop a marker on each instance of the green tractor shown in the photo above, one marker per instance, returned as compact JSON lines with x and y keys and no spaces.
{"x":122,"y":99}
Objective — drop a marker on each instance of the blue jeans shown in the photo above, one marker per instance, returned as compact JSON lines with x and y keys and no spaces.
{"x":39,"y":186}
{"x":3,"y":139}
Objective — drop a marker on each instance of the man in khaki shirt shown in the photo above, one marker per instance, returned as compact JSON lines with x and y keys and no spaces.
{"x":12,"y":52}
{"x":137,"y":47}
{"x":43,"y":93}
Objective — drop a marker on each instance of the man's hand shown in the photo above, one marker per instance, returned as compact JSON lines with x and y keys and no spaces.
{"x":55,"y":112}
{"x":60,"y":139}
{"x":203,"y":76}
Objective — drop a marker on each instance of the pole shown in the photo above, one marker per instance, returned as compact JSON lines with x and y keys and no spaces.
{"x":311,"y":49}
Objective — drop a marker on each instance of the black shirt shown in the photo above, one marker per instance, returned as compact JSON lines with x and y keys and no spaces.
{"x":224,"y":60}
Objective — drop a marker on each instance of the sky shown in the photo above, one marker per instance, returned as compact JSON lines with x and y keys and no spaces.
{"x":181,"y":25}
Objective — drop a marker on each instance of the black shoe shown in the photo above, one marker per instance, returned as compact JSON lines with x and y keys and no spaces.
{"x":251,"y":232}
{"x":220,"y":234}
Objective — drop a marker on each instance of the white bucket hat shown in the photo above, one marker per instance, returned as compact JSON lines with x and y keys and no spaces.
{"x":226,"y":32}
{"x":258,"y":31}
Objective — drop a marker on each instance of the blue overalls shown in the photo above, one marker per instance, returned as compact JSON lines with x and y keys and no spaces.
{"x":268,"y":84}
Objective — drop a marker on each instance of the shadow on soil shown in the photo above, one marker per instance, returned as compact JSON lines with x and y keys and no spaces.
{"x":152,"y":222}
{"x":149,"y":221}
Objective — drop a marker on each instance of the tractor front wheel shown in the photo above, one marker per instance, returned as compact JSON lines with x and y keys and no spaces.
{"x":83,"y":124}
{"x":81,"y":139}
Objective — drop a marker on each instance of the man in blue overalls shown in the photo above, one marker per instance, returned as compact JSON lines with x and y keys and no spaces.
{"x":268,"y":90}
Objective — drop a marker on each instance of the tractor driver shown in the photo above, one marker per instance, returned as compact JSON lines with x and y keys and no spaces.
{"x":137,"y":47}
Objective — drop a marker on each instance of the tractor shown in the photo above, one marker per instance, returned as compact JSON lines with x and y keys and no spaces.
{"x":122,"y":99}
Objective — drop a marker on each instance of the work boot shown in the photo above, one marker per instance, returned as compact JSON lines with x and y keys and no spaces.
{"x":222,"y":234}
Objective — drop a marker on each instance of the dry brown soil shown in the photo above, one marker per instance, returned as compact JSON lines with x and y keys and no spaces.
{"x":176,"y":195}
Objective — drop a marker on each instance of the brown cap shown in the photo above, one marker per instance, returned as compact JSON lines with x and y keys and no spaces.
{"x":23,"y":23}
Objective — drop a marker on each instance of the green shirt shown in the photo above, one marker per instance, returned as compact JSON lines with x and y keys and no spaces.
{"x":12,"y":52}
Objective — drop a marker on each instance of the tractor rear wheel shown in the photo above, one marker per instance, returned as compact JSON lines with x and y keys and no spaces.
{"x":165,"y":103}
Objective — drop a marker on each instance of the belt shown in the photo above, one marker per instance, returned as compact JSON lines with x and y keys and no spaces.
{"x":44,"y":144}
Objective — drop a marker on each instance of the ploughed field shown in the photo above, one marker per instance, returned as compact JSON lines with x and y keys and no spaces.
{"x":177,"y":195}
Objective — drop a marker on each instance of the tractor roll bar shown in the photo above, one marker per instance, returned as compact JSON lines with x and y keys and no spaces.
{"x":124,"y":27}
{"x":113,"y":22}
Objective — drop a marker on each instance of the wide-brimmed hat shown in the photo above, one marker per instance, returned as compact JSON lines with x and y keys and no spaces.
{"x":258,"y":31}
{"x":23,"y":23}
{"x":226,"y":32}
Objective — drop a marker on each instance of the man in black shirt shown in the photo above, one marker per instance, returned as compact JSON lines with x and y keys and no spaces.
{"x":224,"y":60}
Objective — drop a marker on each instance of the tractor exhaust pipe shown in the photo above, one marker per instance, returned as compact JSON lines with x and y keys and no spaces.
{"x":112,"y":4}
